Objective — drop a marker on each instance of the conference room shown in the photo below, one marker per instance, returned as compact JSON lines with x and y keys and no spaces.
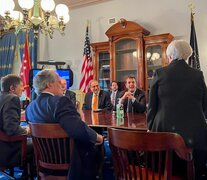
{"x":120,"y":51}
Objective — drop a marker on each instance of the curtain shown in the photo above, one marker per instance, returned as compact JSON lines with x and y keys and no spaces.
{"x":8,"y":45}
{"x":7,"y":49}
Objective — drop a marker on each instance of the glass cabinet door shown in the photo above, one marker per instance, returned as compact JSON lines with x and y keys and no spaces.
{"x":154,"y":61}
{"x":104,"y":70}
{"x":126,"y":59}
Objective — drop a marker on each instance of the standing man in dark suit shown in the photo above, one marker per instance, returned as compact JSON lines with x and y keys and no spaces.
{"x":114,"y":94}
{"x":70,"y":94}
{"x":10,"y":112}
{"x":97,"y":99}
{"x":177,"y":103}
{"x":133,"y":99}
{"x":52,"y":107}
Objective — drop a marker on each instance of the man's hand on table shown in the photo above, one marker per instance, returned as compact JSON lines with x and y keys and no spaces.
{"x":99,"y":139}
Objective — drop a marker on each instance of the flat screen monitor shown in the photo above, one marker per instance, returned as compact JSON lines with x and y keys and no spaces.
{"x":67,"y":74}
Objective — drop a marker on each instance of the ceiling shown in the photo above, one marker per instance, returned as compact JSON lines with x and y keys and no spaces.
{"x":72,"y":4}
{"x":79,"y":3}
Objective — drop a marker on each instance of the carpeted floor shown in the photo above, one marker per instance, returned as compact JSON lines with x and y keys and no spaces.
{"x":17,"y":172}
{"x":108,"y":167}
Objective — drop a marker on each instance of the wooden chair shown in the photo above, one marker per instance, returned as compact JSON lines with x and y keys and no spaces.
{"x":52,"y":148}
{"x":23,"y":140}
{"x":147,"y":155}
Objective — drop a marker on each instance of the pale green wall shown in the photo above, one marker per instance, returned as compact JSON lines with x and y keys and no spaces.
{"x":157,"y":16}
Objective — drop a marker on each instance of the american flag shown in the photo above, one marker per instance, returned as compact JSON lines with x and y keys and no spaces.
{"x":25,"y":68}
{"x":87,"y":67}
{"x":194,"y":59}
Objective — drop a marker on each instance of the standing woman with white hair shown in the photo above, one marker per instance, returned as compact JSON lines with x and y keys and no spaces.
{"x":177,"y":103}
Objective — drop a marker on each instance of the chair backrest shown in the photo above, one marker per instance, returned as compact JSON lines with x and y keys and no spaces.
{"x":52,"y":146}
{"x":22,"y":138}
{"x":80,"y":96}
{"x":147,"y":155}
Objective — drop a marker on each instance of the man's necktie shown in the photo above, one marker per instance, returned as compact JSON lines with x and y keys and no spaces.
{"x":113,"y":98}
{"x":129,"y":106}
{"x":94,"y":116}
{"x":95,"y":102}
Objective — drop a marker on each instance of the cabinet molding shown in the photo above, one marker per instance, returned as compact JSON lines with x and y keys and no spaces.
{"x":127,"y":46}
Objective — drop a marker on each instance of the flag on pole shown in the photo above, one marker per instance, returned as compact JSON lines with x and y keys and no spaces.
{"x":194,"y":59}
{"x":87,"y":67}
{"x":25,"y":68}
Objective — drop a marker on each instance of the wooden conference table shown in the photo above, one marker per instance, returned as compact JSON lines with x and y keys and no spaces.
{"x":108,"y":119}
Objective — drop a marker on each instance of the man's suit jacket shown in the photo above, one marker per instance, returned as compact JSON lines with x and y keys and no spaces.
{"x":118,"y":93}
{"x":71,"y":95}
{"x":177,"y":103}
{"x":10,"y":153}
{"x":104,"y":101}
{"x":55,"y":109}
{"x":139,"y":105}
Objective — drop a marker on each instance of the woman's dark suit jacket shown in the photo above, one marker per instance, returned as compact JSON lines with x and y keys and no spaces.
{"x":10,"y":153}
{"x":177,"y":103}
{"x":55,"y":109}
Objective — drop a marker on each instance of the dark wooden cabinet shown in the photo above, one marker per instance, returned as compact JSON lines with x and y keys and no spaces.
{"x":129,"y":51}
{"x":126,"y":45}
{"x":101,"y":62}
{"x":155,"y":55}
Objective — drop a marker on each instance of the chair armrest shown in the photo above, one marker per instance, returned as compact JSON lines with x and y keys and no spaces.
{"x":19,"y":137}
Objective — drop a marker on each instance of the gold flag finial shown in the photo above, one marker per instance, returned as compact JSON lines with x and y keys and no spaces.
{"x":192,"y":7}
{"x":88,"y":23}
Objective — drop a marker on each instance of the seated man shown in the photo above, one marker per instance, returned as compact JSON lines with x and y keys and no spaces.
{"x":52,"y":107}
{"x":70,"y":94}
{"x":133,"y":98}
{"x":97,"y":99}
{"x":10,"y":112}
{"x":114,"y":94}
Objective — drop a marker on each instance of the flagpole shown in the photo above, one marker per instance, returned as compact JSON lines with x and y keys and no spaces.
{"x":193,"y":61}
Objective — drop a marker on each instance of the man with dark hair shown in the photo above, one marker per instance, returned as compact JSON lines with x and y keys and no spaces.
{"x":52,"y":107}
{"x":114,"y":94}
{"x":10,"y":112}
{"x":9,"y":82}
{"x":133,"y":99}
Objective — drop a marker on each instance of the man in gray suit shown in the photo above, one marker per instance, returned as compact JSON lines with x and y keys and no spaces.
{"x":10,"y":112}
{"x":114,"y":94}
